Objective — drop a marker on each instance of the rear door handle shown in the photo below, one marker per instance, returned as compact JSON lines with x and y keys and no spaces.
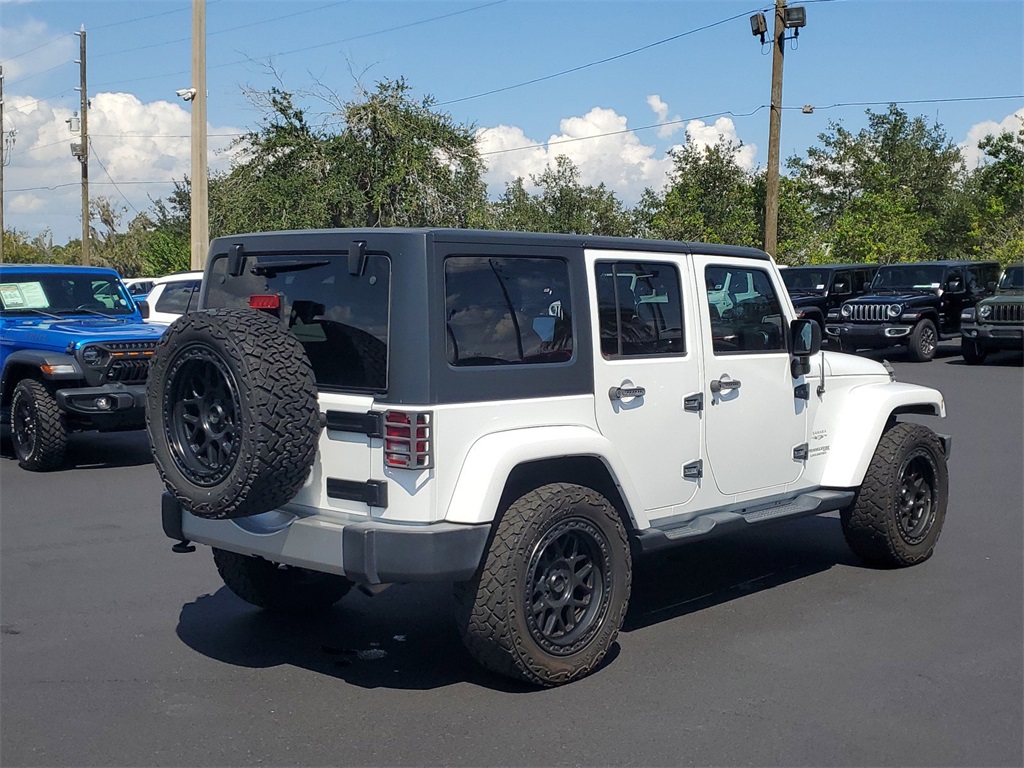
{"x":621,"y":393}
{"x":724,"y":384}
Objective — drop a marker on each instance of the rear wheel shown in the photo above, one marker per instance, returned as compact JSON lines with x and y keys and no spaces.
{"x":973,"y":353}
{"x":924,"y":341}
{"x":898,"y":514}
{"x":553,"y":590}
{"x":38,"y":431}
{"x":277,"y":587}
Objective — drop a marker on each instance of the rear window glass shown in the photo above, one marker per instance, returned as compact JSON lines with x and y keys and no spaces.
{"x":502,"y":311}
{"x":341,"y":319}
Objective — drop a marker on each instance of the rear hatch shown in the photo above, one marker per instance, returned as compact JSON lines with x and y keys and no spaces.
{"x":340,"y":313}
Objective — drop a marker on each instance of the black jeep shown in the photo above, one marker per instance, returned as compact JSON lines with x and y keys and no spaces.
{"x":913,"y":305}
{"x":816,"y":289}
{"x":996,"y":322}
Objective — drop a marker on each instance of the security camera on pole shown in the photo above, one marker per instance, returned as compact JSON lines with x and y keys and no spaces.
{"x":785,"y":18}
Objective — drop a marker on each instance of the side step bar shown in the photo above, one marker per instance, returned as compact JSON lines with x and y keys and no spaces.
{"x":715,"y":523}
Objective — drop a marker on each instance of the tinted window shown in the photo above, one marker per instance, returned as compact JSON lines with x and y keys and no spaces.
{"x":341,"y":319}
{"x":806,"y":279}
{"x":841,"y":283}
{"x":502,"y":311}
{"x":176,"y":297}
{"x":1013,"y":278}
{"x":640,"y":309}
{"x":908,"y":276}
{"x":747,"y":321}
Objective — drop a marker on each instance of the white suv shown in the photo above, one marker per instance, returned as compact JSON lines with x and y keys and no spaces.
{"x":521,"y":414}
{"x":171,"y":297}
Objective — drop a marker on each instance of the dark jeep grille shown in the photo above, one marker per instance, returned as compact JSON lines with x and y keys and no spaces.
{"x":1006,"y":313}
{"x":126,"y":362}
{"x":869,"y":312}
{"x":128,"y":371}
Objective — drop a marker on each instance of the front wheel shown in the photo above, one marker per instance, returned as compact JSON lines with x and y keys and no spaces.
{"x":898,"y":514}
{"x":924,"y":342}
{"x":276,"y":587}
{"x":38,"y":431}
{"x":552,"y":593}
{"x":973,"y":353}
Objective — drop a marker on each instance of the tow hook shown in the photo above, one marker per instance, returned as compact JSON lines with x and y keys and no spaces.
{"x":183,"y":546}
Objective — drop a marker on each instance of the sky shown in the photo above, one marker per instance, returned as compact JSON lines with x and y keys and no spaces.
{"x":613,"y":84}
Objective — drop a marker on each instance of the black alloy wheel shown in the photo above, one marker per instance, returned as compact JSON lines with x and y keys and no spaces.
{"x":916,"y":502}
{"x":568,"y":586}
{"x":23,"y":426}
{"x":204,"y":433}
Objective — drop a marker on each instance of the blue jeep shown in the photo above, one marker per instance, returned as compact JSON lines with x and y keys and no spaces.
{"x":74,"y":355}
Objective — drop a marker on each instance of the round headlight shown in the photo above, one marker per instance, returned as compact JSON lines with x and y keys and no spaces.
{"x":985,"y":310}
{"x":895,"y":310}
{"x":91,"y":355}
{"x":847,"y":310}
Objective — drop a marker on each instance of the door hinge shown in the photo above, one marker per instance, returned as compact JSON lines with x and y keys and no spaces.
{"x":694,"y":403}
{"x":802,"y":392}
{"x":694,"y":470}
{"x":800,"y":453}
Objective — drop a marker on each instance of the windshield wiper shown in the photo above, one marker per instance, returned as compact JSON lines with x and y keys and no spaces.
{"x":37,"y":311}
{"x":91,"y":312}
{"x":272,"y":268}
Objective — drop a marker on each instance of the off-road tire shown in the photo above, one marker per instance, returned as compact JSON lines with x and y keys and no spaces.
{"x":505,"y":612}
{"x":923,"y":342}
{"x":275,"y":587}
{"x":38,"y":430}
{"x":232,"y":414}
{"x":973,"y":353}
{"x":878,"y":526}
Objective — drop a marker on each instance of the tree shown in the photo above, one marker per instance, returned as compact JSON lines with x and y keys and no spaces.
{"x":898,"y":168}
{"x":562,"y":204}
{"x":997,"y":189}
{"x":709,"y":198}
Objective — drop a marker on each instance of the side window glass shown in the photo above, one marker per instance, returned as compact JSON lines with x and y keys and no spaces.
{"x":502,"y":311}
{"x":955,"y":281}
{"x":841,"y":283}
{"x":748,"y":322}
{"x":193,"y":299}
{"x":640,"y":309}
{"x":175,"y":298}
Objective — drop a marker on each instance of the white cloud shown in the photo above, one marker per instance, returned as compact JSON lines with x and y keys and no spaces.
{"x":598,"y":143}
{"x":144,"y":148}
{"x":702,"y":135}
{"x":34,"y":47}
{"x":973,"y":156}
{"x":660,"y":108}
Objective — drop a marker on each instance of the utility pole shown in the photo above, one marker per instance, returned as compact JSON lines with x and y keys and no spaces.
{"x":771,"y":207}
{"x":83,"y":149}
{"x":785,"y":18}
{"x":200,"y":214}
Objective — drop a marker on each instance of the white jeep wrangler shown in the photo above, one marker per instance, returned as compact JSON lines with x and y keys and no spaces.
{"x":521,"y":414}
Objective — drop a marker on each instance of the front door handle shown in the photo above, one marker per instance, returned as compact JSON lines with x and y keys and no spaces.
{"x":621,"y":393}
{"x":724,"y":384}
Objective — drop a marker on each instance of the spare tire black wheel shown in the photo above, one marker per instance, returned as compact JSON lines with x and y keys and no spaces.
{"x":232,"y":414}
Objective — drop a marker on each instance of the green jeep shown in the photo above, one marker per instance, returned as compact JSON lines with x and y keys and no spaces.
{"x":996,"y":322}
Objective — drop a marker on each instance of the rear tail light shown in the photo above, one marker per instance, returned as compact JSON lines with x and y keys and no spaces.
{"x":408,"y":440}
{"x":270,"y":302}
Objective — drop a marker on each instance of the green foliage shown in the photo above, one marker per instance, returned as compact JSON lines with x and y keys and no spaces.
{"x":562,"y":204}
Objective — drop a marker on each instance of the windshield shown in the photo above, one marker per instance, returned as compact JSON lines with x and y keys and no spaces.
{"x":64,"y":293}
{"x":1012,"y":279}
{"x":908,"y":277}
{"x":806,"y":280}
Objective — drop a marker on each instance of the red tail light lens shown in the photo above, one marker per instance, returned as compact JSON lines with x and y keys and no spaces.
{"x":408,"y":440}
{"x":268,"y":301}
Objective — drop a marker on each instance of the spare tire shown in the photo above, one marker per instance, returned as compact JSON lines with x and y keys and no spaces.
{"x":232,"y":414}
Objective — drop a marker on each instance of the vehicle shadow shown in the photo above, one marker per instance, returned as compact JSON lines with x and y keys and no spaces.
{"x":1005,"y":358}
{"x":96,"y":450}
{"x":405,"y":637}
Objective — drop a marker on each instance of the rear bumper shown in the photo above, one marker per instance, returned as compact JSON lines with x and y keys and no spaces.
{"x":364,"y":551}
{"x":125,"y":405}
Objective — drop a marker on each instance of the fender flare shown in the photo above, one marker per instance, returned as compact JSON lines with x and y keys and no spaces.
{"x":35,"y":359}
{"x":859,"y":427}
{"x":493,"y":457}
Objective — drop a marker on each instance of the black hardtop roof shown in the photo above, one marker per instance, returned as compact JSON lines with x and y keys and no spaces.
{"x":938,"y":263}
{"x":442,"y":235}
{"x":13,"y":266}
{"x":851,"y":265}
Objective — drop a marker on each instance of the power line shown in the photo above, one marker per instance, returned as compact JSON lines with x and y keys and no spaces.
{"x":42,"y":72}
{"x":311,"y":47}
{"x":222,"y":31}
{"x":75,"y":184}
{"x":912,"y":101}
{"x":95,"y":154}
{"x":600,"y":61}
{"x":146,"y":18}
{"x":41,"y":45}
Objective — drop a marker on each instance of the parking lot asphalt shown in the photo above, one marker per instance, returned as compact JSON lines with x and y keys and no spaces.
{"x":775,"y":647}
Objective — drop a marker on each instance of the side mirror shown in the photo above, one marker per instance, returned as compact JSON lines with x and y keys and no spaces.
{"x":955,"y":285}
{"x":990,"y":285}
{"x":143,"y":306}
{"x":806,"y":341}
{"x":866,"y":287}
